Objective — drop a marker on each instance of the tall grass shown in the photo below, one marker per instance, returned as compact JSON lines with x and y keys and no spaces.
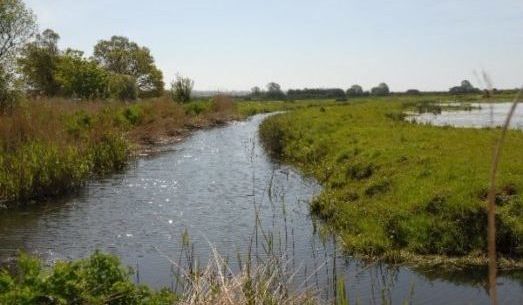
{"x":50,"y":147}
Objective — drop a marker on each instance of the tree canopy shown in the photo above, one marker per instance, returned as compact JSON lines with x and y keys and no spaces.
{"x":122,"y":56}
{"x":17,"y":25}
{"x":354,"y":91}
{"x":274,"y":91}
{"x":465,"y":87}
{"x":38,"y":63}
{"x":381,"y":90}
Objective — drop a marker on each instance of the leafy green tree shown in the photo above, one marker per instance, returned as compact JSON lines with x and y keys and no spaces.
{"x":122,"y":56}
{"x":38,"y":62}
{"x":80,"y":77}
{"x":181,"y":89}
{"x":381,"y":90}
{"x":274,"y":91}
{"x":355,"y":90}
{"x":17,"y":25}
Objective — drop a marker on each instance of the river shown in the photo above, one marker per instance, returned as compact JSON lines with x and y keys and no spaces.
{"x":209,"y":186}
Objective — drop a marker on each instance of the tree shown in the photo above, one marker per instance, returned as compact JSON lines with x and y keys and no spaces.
{"x":38,"y":63}
{"x":413,"y":92}
{"x":255,"y":91}
{"x":17,"y":25}
{"x":181,"y":89}
{"x":354,"y":91}
{"x":274,"y":91}
{"x":80,"y":77}
{"x":465,"y":87}
{"x":381,"y":90}
{"x":121,"y":56}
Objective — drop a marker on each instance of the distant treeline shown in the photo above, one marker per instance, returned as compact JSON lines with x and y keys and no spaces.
{"x":274,"y":92}
{"x":303,"y":94}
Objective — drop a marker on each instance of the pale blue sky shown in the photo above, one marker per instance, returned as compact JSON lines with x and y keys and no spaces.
{"x":237,"y":44}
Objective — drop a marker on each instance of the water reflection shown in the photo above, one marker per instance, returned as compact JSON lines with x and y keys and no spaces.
{"x":478,"y":115}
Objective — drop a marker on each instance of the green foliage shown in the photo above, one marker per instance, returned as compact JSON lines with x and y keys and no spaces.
{"x":17,"y":25}
{"x":80,"y":77}
{"x":9,"y":94}
{"x":465,"y":87}
{"x":381,"y":90}
{"x":41,"y":170}
{"x":392,"y":185}
{"x":122,"y":56}
{"x":98,"y":279}
{"x":301,"y":94}
{"x":122,"y":87}
{"x":181,"y":89}
{"x":355,"y":91}
{"x":274,"y":92}
{"x":38,"y":63}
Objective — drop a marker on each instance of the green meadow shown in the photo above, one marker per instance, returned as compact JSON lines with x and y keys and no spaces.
{"x":400,"y":190}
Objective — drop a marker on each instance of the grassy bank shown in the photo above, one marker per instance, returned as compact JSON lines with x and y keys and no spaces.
{"x":50,"y":147}
{"x":393,"y":188}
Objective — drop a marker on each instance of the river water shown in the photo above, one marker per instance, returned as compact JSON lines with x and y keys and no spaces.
{"x":210,"y":187}
{"x":480,"y":115}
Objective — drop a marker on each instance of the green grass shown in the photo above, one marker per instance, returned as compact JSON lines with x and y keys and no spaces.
{"x":392,"y":186}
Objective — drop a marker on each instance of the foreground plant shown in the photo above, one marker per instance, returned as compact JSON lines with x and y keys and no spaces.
{"x":99,"y":279}
{"x":267,"y":283}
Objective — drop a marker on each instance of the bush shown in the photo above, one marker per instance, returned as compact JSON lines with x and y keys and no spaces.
{"x":271,"y":135}
{"x":181,"y":89}
{"x":98,"y":279}
{"x":122,"y":87}
{"x":222,"y":103}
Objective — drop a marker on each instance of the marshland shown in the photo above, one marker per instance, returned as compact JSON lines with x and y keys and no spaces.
{"x":123,"y":181}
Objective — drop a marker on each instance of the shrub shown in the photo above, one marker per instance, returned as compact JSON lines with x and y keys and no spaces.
{"x":222,"y":103}
{"x":98,"y":279}
{"x":271,"y":134}
{"x":181,"y":89}
{"x":122,"y":87}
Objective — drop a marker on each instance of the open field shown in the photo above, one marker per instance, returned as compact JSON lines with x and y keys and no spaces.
{"x":390,"y":185}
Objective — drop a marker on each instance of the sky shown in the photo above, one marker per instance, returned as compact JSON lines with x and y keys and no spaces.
{"x":237,"y":44}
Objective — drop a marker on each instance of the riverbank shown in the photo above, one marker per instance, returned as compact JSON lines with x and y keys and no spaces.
{"x":50,"y":147}
{"x":401,"y":191}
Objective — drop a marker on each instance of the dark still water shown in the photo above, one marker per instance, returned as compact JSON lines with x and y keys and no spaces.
{"x":209,"y":186}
